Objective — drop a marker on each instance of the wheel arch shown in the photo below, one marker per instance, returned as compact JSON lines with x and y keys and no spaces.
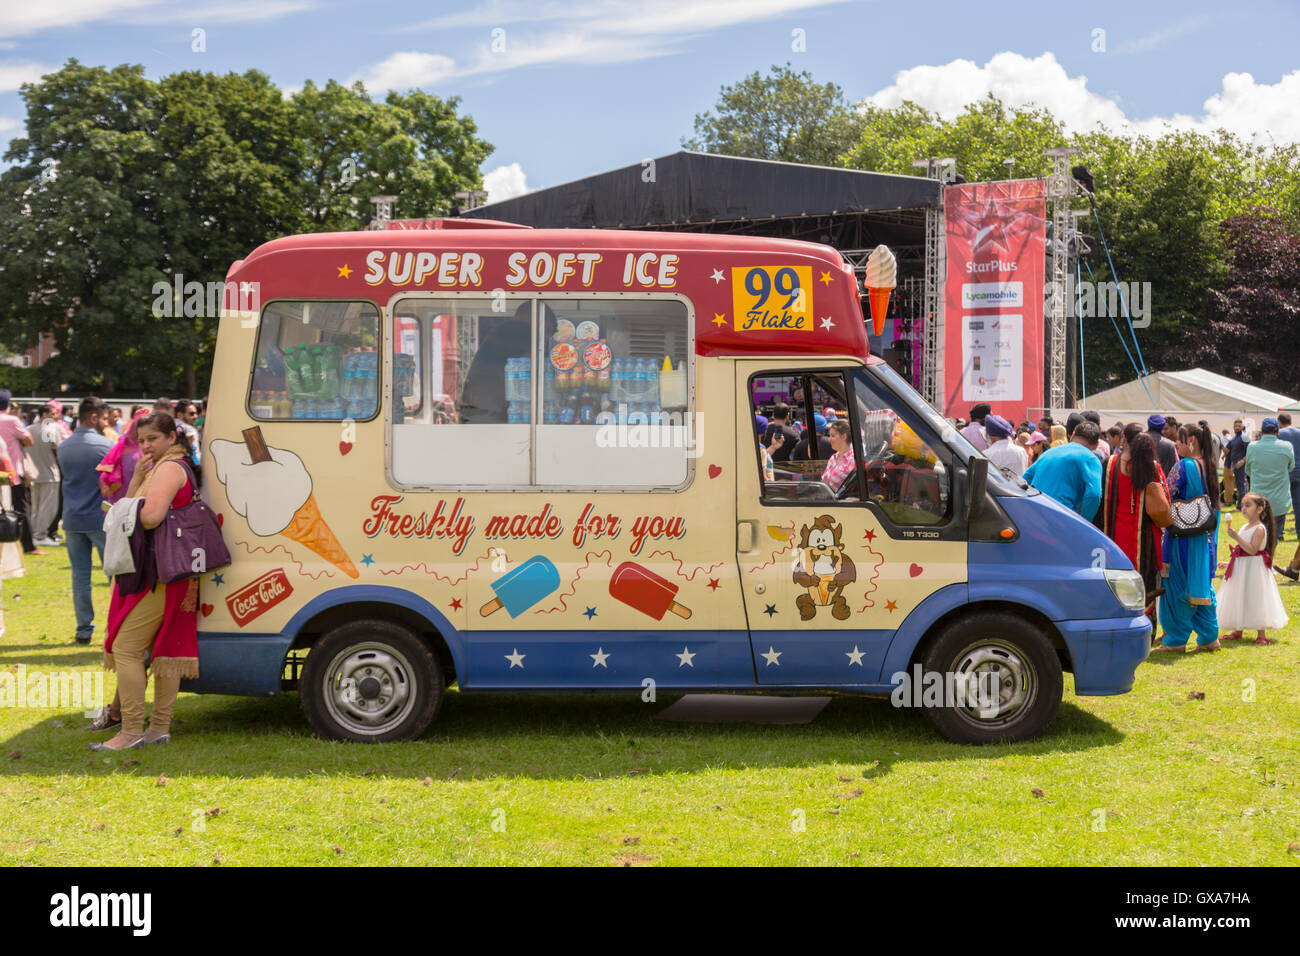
{"x":359,"y":602}
{"x":1029,"y":613}
{"x":951,"y":603}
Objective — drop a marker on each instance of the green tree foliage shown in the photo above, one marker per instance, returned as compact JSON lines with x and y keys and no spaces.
{"x":1160,"y":200}
{"x":122,"y":182}
{"x":784,"y":116}
{"x":1258,"y":307}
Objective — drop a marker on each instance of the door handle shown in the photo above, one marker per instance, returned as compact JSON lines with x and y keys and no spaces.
{"x":746,"y":536}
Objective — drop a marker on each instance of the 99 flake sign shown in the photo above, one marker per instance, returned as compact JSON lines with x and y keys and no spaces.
{"x":772,"y":298}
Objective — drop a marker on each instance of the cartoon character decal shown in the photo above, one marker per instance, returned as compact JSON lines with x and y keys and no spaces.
{"x":822,"y":567}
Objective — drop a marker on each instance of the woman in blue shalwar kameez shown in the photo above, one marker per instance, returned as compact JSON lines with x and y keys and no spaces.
{"x":1188,"y":603}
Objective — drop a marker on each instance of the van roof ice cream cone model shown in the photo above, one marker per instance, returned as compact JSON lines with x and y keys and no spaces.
{"x":510,"y":459}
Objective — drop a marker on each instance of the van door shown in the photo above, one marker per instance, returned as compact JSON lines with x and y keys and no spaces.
{"x":839,"y":538}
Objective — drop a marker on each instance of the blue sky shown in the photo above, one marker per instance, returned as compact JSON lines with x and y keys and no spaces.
{"x":581,"y":87}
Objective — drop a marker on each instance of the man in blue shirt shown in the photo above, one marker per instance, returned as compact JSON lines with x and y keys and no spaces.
{"x":1291,"y":435}
{"x":1071,"y":473}
{"x":83,"y":517}
{"x":1269,"y":463}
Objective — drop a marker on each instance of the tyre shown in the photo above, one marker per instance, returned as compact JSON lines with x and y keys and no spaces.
{"x":1011,"y":670}
{"x":371,"y":681}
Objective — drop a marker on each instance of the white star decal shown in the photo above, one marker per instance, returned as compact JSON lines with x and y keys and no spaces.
{"x":516,"y":659}
{"x":771,"y":656}
{"x":827,"y":324}
{"x":686,"y":657}
{"x":600,"y":657}
{"x":717,"y":276}
{"x":854,"y":656}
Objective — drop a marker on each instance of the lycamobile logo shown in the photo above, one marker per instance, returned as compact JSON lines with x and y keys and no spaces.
{"x":992,"y":295}
{"x":77,"y":909}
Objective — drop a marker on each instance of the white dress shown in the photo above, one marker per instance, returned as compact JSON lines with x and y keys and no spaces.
{"x":1249,"y":600}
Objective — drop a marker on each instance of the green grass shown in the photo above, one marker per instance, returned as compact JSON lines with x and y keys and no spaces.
{"x":1151,"y":777}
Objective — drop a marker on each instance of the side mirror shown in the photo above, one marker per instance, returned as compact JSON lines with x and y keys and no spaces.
{"x":977,"y":479}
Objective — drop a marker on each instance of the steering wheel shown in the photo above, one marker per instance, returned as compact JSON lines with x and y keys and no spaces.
{"x":847,"y":487}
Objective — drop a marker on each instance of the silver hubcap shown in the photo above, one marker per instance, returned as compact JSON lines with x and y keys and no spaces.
{"x":369,"y":688}
{"x":1001,"y":684}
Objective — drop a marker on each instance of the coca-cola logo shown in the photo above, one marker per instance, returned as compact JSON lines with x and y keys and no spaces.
{"x":259,"y":596}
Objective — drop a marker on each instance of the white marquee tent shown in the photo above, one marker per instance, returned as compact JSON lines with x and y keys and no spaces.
{"x":1188,"y":396}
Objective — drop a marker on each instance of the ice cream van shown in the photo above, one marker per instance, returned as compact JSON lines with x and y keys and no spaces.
{"x":527,"y":460}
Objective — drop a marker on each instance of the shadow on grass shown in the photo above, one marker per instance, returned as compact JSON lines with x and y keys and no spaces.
{"x":52,"y":656}
{"x":538,"y":736}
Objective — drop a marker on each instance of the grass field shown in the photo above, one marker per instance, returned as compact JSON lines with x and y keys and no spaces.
{"x":1157,"y":776}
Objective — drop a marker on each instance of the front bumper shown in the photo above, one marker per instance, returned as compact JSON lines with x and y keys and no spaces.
{"x":1106,"y":653}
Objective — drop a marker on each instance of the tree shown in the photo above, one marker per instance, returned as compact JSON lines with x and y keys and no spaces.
{"x":785,"y":116}
{"x":1257,"y":309}
{"x":122,"y":183}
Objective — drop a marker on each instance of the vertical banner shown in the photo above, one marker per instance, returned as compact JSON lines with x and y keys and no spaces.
{"x":993,"y":298}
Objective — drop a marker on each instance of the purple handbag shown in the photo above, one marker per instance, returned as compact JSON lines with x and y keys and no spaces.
{"x":188,"y":542}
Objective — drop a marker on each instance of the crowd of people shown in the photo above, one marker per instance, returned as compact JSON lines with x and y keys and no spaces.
{"x":60,"y":472}
{"x":1155,"y":489}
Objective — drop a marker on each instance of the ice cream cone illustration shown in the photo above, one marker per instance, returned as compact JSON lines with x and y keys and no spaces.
{"x":881,"y":278}
{"x":272,"y":490}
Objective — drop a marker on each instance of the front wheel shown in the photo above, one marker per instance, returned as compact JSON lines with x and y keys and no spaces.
{"x":1007,"y":676}
{"x":371,"y":681}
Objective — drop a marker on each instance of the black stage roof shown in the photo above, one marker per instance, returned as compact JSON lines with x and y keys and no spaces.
{"x":687,"y":189}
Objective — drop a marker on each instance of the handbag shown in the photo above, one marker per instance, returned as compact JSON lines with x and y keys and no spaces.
{"x":11,"y":525}
{"x":188,"y":542}
{"x":1193,"y":516}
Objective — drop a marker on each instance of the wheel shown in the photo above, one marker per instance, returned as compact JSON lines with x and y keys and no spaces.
{"x":371,"y":681}
{"x":1011,"y":662}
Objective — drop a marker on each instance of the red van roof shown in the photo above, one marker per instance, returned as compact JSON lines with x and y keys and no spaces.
{"x":751,"y":295}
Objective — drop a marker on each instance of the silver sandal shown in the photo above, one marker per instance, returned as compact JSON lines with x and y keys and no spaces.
{"x":104,"y":720}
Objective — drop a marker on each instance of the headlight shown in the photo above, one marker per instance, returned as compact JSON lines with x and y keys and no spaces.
{"x":1128,"y":589}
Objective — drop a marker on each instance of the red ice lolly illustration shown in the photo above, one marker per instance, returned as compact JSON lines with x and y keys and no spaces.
{"x":520,"y":589}
{"x":646,"y":591}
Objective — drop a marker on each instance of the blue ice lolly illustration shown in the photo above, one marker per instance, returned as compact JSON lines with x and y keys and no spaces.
{"x":520,"y":589}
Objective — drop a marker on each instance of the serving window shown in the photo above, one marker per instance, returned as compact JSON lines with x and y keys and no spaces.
{"x":550,"y":393}
{"x":458,"y":416}
{"x":316,"y":360}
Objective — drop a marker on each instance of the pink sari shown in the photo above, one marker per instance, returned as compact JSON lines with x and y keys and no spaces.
{"x":119,"y":464}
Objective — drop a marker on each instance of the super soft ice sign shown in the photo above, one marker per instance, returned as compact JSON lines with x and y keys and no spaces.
{"x":558,"y":270}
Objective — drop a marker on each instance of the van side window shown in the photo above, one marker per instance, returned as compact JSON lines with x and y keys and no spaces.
{"x":474,"y":428}
{"x":307,"y":353}
{"x":805,"y":445}
{"x":615,"y":396}
{"x":908,"y":478}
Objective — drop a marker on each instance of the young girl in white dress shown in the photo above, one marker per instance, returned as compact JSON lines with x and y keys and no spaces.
{"x":1248,"y":598}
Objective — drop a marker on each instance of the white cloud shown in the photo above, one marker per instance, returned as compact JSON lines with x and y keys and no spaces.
{"x":14,"y":75}
{"x":505,"y":182}
{"x":1243,"y":106}
{"x":18,"y":18}
{"x":8,"y":122}
{"x":593,"y":33}
{"x":402,"y":71}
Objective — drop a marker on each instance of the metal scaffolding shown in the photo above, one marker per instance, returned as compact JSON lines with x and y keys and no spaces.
{"x":943,"y":170}
{"x":1061,"y":192}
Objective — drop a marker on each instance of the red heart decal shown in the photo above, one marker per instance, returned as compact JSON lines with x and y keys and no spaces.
{"x":221,"y":519}
{"x":345,"y":447}
{"x":715,"y":470}
{"x":206,"y":609}
{"x":915,"y":569}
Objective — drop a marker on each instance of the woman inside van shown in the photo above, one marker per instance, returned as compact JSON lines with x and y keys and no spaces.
{"x":841,"y":463}
{"x":159,"y":617}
